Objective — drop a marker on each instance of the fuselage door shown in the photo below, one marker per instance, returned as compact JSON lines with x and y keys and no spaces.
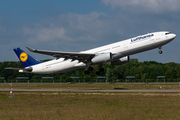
{"x":125,"y":45}
{"x":157,"y":37}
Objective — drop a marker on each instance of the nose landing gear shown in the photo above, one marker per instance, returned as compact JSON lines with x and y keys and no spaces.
{"x":160,"y":52}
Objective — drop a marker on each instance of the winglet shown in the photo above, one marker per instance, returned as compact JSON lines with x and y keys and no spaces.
{"x":30,"y":49}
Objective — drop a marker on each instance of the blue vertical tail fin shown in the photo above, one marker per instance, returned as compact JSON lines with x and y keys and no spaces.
{"x":25,"y":58}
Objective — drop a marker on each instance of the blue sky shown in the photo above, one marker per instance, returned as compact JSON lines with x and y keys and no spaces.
{"x":77,"y":25}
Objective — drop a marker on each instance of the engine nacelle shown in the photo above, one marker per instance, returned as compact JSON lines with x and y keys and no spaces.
{"x":103,"y":57}
{"x":121,"y":61}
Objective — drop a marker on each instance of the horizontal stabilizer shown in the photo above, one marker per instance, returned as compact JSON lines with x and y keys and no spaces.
{"x":29,"y":69}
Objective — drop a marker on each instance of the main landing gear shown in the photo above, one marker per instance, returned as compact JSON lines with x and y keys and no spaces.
{"x":87,"y":71}
{"x":160,"y":52}
{"x":100,"y":70}
{"x":91,"y":69}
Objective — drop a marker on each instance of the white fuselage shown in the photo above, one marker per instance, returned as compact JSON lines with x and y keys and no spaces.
{"x":119,"y":49}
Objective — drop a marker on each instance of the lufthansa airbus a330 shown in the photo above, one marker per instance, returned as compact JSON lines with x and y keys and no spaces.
{"x":116,"y":53}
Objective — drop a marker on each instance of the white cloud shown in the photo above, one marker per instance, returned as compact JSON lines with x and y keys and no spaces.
{"x":141,"y":5}
{"x":40,"y":33}
{"x":69,"y":27}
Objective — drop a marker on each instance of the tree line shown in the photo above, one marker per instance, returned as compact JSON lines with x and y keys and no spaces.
{"x":143,"y":71}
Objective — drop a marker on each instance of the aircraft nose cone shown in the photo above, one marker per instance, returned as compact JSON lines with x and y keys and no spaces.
{"x":173,"y":36}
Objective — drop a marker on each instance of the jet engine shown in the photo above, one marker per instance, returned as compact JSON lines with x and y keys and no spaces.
{"x":121,"y":61}
{"x":103,"y":57}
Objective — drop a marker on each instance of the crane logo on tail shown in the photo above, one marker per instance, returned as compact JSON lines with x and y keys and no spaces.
{"x":23,"y":57}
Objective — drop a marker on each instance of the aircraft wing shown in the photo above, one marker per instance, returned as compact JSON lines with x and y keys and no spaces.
{"x":82,"y":57}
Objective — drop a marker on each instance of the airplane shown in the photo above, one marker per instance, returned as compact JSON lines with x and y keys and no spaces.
{"x":116,"y":53}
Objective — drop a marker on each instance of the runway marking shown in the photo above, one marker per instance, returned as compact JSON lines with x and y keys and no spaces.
{"x":98,"y":90}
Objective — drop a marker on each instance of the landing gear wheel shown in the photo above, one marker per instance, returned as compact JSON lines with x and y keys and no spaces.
{"x":160,"y":52}
{"x":101,"y":69}
{"x":98,"y":73}
{"x":86,"y":72}
{"x":90,"y":69}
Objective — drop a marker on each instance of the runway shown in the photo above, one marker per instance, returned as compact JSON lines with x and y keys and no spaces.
{"x":98,"y":90}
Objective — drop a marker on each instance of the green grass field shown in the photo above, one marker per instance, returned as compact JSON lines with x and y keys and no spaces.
{"x":82,"y":106}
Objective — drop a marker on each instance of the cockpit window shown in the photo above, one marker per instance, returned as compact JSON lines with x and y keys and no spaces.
{"x":168,"y":33}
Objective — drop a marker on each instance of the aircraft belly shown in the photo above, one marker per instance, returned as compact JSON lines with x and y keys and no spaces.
{"x":67,"y":66}
{"x":53,"y":67}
